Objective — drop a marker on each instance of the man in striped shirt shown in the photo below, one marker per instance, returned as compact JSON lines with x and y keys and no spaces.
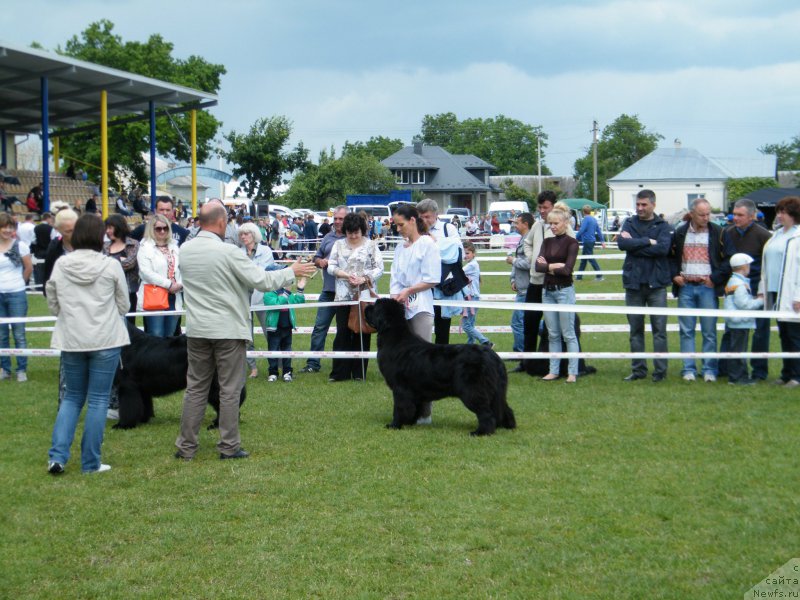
{"x":699,"y":272}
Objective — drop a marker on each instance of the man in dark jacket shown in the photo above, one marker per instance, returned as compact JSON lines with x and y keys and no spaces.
{"x":646,"y":239}
{"x":747,"y":236}
{"x":310,"y":233}
{"x":699,"y":272}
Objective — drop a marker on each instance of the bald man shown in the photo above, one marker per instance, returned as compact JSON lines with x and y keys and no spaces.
{"x":217,"y":278}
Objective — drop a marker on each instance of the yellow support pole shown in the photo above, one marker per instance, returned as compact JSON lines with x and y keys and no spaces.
{"x":104,"y":151}
{"x":55,"y":155}
{"x":194,"y":162}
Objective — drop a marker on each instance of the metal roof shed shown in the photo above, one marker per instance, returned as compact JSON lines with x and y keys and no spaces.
{"x":41,"y":90}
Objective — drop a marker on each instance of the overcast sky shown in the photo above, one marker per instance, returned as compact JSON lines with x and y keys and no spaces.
{"x":722,"y":76}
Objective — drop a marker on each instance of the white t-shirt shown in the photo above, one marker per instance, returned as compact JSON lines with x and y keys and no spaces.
{"x":419,"y":262}
{"x":25,"y":232}
{"x":11,"y":275}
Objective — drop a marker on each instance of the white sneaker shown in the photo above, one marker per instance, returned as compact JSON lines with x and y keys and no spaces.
{"x":709,"y":378}
{"x":272,"y":378}
{"x":287,"y":377}
{"x":112,"y":414}
{"x":101,"y":469}
{"x":22,"y":376}
{"x":689,"y":377}
{"x":4,"y":374}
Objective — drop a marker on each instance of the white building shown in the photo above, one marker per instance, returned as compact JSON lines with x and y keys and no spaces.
{"x":679,"y":175}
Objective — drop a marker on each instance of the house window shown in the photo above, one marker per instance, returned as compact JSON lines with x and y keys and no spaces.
{"x":410,"y":176}
{"x":692,"y":197}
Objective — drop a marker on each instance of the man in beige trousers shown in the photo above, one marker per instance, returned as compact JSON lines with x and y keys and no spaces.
{"x":217,"y":278}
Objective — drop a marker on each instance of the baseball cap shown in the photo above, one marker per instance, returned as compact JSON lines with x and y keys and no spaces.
{"x":740,"y":260}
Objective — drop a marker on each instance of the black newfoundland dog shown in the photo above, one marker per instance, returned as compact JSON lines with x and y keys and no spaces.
{"x":153,"y":366}
{"x":417,"y":371}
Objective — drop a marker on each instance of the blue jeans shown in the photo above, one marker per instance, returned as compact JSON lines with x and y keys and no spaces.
{"x":698,"y":296}
{"x":655,"y":297}
{"x":468,"y":324}
{"x":163,"y":325}
{"x":518,"y":324}
{"x":88,"y":377}
{"x":325,"y":316}
{"x":588,"y":248}
{"x":13,"y":304}
{"x":561,"y":325}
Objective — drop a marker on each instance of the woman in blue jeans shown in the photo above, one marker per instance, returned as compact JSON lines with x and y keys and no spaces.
{"x":88,"y":293}
{"x":159,"y":266}
{"x":15,"y":271}
{"x":557,"y":260}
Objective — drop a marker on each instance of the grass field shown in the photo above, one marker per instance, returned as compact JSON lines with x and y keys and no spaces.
{"x":608,"y":490}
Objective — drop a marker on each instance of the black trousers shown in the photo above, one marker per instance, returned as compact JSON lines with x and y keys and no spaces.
{"x":441,"y":327}
{"x":346,"y":340}
{"x":531,"y":323}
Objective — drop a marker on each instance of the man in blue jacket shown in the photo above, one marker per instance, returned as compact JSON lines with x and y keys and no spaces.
{"x":587,"y":236}
{"x":646,"y":239}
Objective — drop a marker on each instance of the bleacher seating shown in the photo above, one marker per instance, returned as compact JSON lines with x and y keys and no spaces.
{"x":61,"y":188}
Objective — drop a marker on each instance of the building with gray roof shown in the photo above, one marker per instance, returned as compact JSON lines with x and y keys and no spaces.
{"x":453,"y":180}
{"x":678,"y":175}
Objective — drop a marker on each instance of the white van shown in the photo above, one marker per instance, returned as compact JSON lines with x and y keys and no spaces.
{"x":506,"y":211}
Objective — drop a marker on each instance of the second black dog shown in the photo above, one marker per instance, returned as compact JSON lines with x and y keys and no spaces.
{"x":150,"y":367}
{"x":417,"y":371}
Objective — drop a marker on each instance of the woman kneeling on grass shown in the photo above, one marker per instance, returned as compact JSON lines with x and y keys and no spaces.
{"x":89,"y":295}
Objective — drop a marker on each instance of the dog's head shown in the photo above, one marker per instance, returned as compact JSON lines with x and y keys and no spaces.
{"x":385,"y":313}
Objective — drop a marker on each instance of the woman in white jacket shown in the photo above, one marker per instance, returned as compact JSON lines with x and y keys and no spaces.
{"x":780,"y":283}
{"x":159,"y":265}
{"x":88,"y":293}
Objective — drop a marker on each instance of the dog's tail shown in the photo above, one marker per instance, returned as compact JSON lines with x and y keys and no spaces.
{"x":508,"y":420}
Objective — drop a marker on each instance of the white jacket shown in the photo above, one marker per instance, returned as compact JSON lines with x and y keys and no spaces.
{"x":153,"y":269}
{"x":88,"y":293}
{"x":789,"y":288}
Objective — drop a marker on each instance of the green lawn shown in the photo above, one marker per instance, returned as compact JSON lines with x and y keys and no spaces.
{"x":606,"y":489}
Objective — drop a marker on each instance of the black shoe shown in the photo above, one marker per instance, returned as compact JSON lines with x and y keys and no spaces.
{"x":634,"y":377}
{"x":659,"y":378}
{"x":180,"y":456}
{"x":238,"y":454}
{"x":518,"y":369}
{"x":308,"y":369}
{"x":55,"y":468}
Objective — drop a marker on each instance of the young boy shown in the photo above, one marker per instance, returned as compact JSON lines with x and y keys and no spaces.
{"x":739,"y":297}
{"x":280,"y":324}
{"x":472,"y":291}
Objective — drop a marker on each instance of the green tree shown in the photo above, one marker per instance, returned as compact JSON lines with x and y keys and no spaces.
{"x":788,"y":154}
{"x":100,"y":45}
{"x":260,"y":163}
{"x":380,"y":147}
{"x":510,"y":145}
{"x":621,"y":144}
{"x":327,"y":184}
{"x":514,"y":192}
{"x":739,"y":188}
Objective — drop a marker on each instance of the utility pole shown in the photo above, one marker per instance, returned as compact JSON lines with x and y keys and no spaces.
{"x":594,"y":160}
{"x":539,"y":160}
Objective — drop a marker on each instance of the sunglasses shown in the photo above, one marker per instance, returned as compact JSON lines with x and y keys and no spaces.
{"x":160,"y":228}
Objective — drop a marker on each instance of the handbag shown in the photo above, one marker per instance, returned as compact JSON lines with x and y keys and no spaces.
{"x":453,"y":277}
{"x":356,"y":320}
{"x":155,"y":297}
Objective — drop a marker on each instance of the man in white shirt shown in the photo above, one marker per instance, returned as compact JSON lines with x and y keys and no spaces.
{"x":25,"y":230}
{"x":442,"y":233}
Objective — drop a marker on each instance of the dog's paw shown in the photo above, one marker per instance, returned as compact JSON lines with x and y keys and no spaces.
{"x":393,"y":426}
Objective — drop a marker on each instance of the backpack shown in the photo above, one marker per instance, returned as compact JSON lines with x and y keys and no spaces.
{"x":453,"y":277}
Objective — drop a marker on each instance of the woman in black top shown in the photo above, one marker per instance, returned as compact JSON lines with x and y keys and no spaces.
{"x":557,"y":260}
